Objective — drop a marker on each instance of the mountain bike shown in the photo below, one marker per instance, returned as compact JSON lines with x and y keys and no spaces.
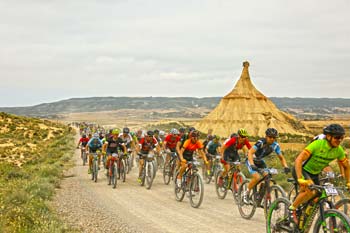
{"x":215,"y":167}
{"x":259,"y":197}
{"x":94,"y":172}
{"x":113,"y":170}
{"x":191,"y":183}
{"x":148,"y":170}
{"x":121,"y":166}
{"x":279,"y":218}
{"x":83,"y":155}
{"x":169,"y":168}
{"x":231,"y":182}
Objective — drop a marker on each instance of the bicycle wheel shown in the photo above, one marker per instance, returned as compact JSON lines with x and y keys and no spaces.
{"x":292,"y":194}
{"x":196,"y":191}
{"x":334,"y":221}
{"x":113,"y":175}
{"x":84,"y":158}
{"x":344,"y":206}
{"x":276,"y":192}
{"x":179,"y":189}
{"x":149,"y":174}
{"x":122,"y":170}
{"x":94,"y":170}
{"x":246,"y":208}
{"x":167,"y":172}
{"x":236,"y":182}
{"x":220,"y":186}
{"x":278,"y":219}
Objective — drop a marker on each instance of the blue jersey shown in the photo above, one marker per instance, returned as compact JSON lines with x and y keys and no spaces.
{"x":262,"y":149}
{"x":95,"y":143}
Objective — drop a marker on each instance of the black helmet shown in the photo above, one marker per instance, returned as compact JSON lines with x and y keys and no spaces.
{"x":233,"y":135}
{"x":156,"y":131}
{"x":271,"y":132}
{"x":334,"y":130}
{"x":126,"y":130}
{"x":210,"y":137}
{"x":182,"y":130}
{"x":191,"y":129}
{"x":84,"y":135}
{"x":194,"y":133}
{"x":150,"y":133}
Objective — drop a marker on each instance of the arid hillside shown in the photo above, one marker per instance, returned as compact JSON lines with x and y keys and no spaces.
{"x":22,"y":139}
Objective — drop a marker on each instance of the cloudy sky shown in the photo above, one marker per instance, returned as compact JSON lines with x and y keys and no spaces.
{"x":52,"y":50}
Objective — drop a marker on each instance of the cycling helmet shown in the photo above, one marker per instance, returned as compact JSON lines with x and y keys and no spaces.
{"x":182,"y":130}
{"x":126,"y":130}
{"x":194,"y":133}
{"x":156,"y":131}
{"x":271,"y":132}
{"x":334,"y":130}
{"x":174,"y":131}
{"x":150,"y":133}
{"x":242,"y":132}
{"x":84,"y":135}
{"x":217,"y":137}
{"x":96,"y":135}
{"x":115,"y":131}
{"x":210,"y":137}
{"x":132,"y":133}
{"x":161,"y":133}
{"x":191,"y":129}
{"x":233,"y":135}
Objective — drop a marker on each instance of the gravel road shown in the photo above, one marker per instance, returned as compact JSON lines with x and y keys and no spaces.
{"x":96,"y":207}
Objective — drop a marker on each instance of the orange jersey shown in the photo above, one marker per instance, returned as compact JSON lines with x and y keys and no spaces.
{"x":189,"y":146}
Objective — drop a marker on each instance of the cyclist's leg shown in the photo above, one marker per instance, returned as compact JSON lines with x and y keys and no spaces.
{"x":305,"y":194}
{"x":255,"y":176}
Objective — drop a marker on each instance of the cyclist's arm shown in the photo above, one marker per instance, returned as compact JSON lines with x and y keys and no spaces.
{"x":251,"y":152}
{"x":164,"y":145}
{"x":345,"y":164}
{"x":181,"y":154}
{"x":124,"y":148}
{"x":283,"y":160}
{"x":303,"y":156}
{"x":204,"y":156}
{"x":223,"y":148}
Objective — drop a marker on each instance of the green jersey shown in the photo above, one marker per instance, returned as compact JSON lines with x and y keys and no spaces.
{"x":321,"y":155}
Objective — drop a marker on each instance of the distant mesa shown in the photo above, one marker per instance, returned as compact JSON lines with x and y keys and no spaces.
{"x":246,"y":107}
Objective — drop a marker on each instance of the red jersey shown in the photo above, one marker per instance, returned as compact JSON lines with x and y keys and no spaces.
{"x":146,"y":145}
{"x":171,"y":141}
{"x":84,"y":141}
{"x":238,"y":146}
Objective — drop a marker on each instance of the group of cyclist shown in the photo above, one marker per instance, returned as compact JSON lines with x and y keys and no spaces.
{"x":306,"y":170}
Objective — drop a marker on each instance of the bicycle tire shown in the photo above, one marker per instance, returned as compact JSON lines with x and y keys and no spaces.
{"x":114,"y":175}
{"x":282,"y":223}
{"x":196,"y":190}
{"x":167,"y":172}
{"x":343,"y":225}
{"x":84,"y":158}
{"x":343,"y":205}
{"x":122,"y":170}
{"x":236,"y":182}
{"x":95,"y":170}
{"x":292,"y":194}
{"x":241,"y":204}
{"x":221,"y":191}
{"x":276,"y":192}
{"x":179,"y":190}
{"x":149,"y":174}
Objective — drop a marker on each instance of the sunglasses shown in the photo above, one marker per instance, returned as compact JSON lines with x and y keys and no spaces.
{"x":338,"y":137}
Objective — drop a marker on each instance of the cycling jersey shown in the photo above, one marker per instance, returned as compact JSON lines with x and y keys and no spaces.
{"x":262,"y":149}
{"x":212,"y":147}
{"x":232,"y":146}
{"x":146,"y":145}
{"x":113,"y":145}
{"x":191,"y":147}
{"x":321,"y":155}
{"x":84,"y":141}
{"x":126,"y":139}
{"x":171,"y":142}
{"x":94,"y":144}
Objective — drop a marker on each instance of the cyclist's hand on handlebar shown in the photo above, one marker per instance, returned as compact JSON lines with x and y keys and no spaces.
{"x":286,"y":170}
{"x":304,"y":182}
{"x":348,"y":186}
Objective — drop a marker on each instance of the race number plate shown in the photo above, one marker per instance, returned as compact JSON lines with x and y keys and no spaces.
{"x":331,"y":191}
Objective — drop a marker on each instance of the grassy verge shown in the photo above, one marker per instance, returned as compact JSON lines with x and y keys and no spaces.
{"x":25,"y":191}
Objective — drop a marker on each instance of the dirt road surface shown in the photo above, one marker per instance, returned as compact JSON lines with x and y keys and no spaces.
{"x":96,"y":207}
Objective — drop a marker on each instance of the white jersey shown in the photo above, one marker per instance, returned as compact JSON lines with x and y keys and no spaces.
{"x":126,"y":139}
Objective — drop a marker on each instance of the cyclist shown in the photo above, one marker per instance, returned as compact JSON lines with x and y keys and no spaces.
{"x":170,"y":142}
{"x":139,"y":135}
{"x":127,"y":139}
{"x":212,"y":149}
{"x":93,"y":145}
{"x":146,"y":144}
{"x":186,"y":153}
{"x":114,"y":144}
{"x":314,"y":158}
{"x":207,"y":140}
{"x":229,"y":151}
{"x":256,"y":154}
{"x":83,"y":141}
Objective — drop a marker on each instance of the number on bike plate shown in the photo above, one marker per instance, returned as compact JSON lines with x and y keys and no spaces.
{"x":330,"y":191}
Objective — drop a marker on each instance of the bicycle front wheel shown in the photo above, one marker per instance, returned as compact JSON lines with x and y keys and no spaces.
{"x":278,"y":219}
{"x":236,"y":182}
{"x":114,"y":175}
{"x":196,"y":191}
{"x":344,"y":206}
{"x":149,"y":174}
{"x":275,"y":192}
{"x":167,"y":172}
{"x":246,"y":206}
{"x":334,"y":221}
{"x":95,"y":170}
{"x":178,"y":188}
{"x":220,"y":186}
